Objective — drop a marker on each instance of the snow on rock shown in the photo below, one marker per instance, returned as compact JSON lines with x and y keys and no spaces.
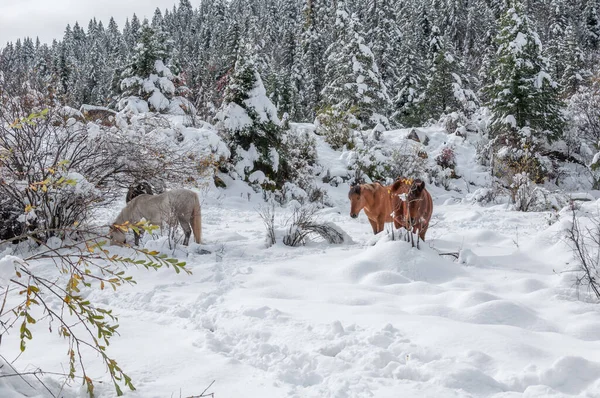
{"x":134,"y":105}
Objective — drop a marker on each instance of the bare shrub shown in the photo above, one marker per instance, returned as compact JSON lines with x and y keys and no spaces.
{"x":30,"y":297}
{"x":528,"y":196}
{"x":58,"y":170}
{"x":304,"y":223}
{"x":447,"y":158}
{"x":267,"y":214}
{"x":585,"y":243}
{"x":523,"y":191}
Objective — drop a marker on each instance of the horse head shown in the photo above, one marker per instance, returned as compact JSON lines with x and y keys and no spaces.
{"x":356,"y":203}
{"x":415,"y":197}
{"x":399,"y":191}
{"x":117,"y":236}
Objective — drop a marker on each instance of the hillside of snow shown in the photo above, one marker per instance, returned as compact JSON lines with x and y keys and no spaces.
{"x":372,"y":317}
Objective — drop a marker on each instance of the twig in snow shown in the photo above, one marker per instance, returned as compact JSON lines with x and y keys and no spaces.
{"x":203,"y":393}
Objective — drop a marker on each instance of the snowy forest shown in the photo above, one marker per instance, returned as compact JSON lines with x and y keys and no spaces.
{"x":281,"y":117}
{"x":527,"y":68}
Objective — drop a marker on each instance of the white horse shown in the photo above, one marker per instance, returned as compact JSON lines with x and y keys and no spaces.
{"x":171,"y":207}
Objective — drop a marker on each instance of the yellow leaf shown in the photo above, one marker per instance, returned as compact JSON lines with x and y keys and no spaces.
{"x":28,"y":208}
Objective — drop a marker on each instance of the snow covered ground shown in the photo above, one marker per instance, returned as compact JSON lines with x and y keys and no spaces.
{"x":368,"y":318}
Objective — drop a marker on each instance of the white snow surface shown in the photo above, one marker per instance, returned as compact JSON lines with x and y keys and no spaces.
{"x":370,"y":318}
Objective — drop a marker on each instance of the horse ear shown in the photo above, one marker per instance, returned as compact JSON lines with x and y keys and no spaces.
{"x":420,"y":185}
{"x":396,"y":185}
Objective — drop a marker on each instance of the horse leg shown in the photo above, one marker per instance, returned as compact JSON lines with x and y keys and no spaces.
{"x":380,"y":224}
{"x":374,"y":226}
{"x":187,"y":230}
{"x":186,"y":237}
{"x":423,"y":231}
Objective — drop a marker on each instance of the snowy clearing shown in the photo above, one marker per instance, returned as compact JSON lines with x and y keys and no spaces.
{"x":368,"y":318}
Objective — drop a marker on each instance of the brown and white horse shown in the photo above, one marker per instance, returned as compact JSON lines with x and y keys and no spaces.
{"x":375,"y":200}
{"x":412,"y":206}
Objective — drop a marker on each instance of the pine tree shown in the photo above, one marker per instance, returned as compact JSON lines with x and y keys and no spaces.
{"x":384,"y":39}
{"x":480,"y":31}
{"x":591,"y":16}
{"x":455,"y":22}
{"x":523,"y":97}
{"x":353,"y":82}
{"x":152,"y":46}
{"x":283,"y":52}
{"x":116,"y":45}
{"x":417,"y":14}
{"x":555,"y":38}
{"x":573,"y":69}
{"x":446,"y":89}
{"x":566,"y":59}
{"x":131,"y":32}
{"x":97,"y":72}
{"x":66,"y":63}
{"x":248,"y":122}
{"x":148,"y":76}
{"x":409,"y":88}
{"x":42,"y":66}
{"x":315,"y":37}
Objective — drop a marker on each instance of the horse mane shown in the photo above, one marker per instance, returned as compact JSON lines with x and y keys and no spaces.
{"x":396,"y":185}
{"x":400,"y":181}
{"x":369,"y":187}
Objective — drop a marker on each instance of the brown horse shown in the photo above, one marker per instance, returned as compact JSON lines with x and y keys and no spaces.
{"x":412,"y":206}
{"x":375,"y":199}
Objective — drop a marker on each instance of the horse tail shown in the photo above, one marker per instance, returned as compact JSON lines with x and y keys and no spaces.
{"x":197,"y":220}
